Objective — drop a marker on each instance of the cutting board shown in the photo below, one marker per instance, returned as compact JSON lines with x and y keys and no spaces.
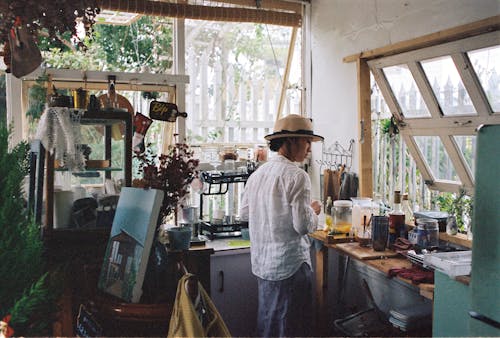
{"x":360,"y":252}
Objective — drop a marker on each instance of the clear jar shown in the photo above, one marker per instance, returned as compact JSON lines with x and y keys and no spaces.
{"x":362,"y":210}
{"x":342,"y":216}
{"x":427,"y":232}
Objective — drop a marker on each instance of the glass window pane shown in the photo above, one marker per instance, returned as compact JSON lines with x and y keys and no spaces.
{"x":447,"y":86}
{"x":437,"y":158}
{"x":486,"y":63}
{"x":467,"y":145}
{"x":406,"y":91}
{"x":236,"y":73}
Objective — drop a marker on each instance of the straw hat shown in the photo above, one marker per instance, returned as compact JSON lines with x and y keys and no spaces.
{"x":293,"y":125}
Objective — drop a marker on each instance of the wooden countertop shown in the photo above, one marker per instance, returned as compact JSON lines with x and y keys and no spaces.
{"x":382,"y":261}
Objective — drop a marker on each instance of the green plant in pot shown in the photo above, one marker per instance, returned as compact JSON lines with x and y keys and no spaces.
{"x":28,"y":291}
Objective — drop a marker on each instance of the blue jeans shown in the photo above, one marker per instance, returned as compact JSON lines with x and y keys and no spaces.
{"x":285,"y":306}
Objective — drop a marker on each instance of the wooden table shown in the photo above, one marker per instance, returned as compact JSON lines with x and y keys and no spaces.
{"x":381,"y":261}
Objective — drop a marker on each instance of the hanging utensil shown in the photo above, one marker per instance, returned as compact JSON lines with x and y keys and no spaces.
{"x":164,"y":111}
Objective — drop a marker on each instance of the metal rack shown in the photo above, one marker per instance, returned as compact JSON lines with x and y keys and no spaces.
{"x":217,"y":183}
{"x":336,"y":155}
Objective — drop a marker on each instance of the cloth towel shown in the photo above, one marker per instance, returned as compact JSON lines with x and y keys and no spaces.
{"x":416,"y":274}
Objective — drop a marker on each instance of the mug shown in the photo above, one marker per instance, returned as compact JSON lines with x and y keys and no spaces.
{"x":380,"y":232}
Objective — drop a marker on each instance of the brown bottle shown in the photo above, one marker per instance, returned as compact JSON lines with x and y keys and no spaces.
{"x":396,"y":219}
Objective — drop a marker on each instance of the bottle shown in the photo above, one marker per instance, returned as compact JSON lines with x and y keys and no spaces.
{"x":405,"y":206}
{"x":396,"y":219}
{"x":328,"y":214}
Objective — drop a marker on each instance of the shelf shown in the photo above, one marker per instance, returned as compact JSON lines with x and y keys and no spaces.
{"x":105,"y":117}
{"x":224,"y":177}
{"x":91,"y":170}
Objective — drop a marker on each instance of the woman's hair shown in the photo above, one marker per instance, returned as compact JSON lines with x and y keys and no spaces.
{"x":275,"y":144}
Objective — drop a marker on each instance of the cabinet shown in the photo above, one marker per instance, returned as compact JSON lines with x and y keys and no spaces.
{"x":39,"y":157}
{"x":234,"y":290}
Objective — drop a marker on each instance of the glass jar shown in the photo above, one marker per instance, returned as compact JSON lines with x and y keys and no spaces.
{"x":427,"y":232}
{"x":362,"y":210}
{"x":342,"y":216}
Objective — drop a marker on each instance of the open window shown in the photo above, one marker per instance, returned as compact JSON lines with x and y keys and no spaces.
{"x":438,"y":96}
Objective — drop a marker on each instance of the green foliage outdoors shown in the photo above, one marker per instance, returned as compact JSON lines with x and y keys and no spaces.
{"x":27,"y":292}
{"x":145,"y":43}
{"x":459,"y":206}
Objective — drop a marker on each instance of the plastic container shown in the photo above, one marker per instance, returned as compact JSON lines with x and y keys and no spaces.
{"x":342,"y":216}
{"x":361,"y":206}
{"x":458,"y":263}
{"x":427,"y":232}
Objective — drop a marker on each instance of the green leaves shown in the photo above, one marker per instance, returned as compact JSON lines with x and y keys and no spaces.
{"x":24,"y":289}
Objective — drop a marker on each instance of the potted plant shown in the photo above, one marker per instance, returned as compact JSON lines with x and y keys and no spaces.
{"x":28,"y":291}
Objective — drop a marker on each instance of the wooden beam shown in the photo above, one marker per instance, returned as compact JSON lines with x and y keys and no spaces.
{"x":365,"y":130}
{"x":284,"y":85}
{"x":471,"y":29}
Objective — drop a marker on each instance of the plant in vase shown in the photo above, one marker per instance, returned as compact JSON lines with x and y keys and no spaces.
{"x":172,"y":173}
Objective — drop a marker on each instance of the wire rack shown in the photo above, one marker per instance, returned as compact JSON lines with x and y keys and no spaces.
{"x":336,"y":155}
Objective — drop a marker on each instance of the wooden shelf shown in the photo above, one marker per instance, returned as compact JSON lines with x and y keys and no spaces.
{"x":460,"y":239}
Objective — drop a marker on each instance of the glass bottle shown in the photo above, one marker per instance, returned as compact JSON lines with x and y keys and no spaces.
{"x":328,"y":213}
{"x":405,"y":206}
{"x":396,"y":219}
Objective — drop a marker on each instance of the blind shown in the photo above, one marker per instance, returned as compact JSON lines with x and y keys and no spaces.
{"x":274,"y":12}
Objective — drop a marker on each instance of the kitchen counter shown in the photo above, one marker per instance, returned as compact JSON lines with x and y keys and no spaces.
{"x":223,"y":244}
{"x":382,"y":261}
{"x":378,"y":261}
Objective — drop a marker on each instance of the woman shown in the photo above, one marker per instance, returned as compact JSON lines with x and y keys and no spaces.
{"x":277,"y":205}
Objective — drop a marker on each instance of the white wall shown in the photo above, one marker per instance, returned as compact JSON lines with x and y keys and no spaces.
{"x":341,"y":28}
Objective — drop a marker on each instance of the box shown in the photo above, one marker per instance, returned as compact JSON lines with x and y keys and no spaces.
{"x":457,"y":263}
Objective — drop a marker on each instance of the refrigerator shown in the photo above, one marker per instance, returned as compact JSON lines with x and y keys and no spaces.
{"x":485,"y":276}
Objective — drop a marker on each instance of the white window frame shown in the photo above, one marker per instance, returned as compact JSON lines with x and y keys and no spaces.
{"x":438,"y":124}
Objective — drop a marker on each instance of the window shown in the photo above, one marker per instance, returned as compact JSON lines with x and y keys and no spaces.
{"x":439,"y":95}
{"x":236,"y":74}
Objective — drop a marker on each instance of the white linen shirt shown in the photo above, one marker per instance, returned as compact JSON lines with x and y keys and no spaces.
{"x":276,"y":203}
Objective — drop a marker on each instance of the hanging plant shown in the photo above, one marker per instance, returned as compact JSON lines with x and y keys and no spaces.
{"x":56,"y":17}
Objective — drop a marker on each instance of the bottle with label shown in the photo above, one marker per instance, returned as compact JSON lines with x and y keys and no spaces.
{"x":328,"y":214}
{"x":396,"y":219}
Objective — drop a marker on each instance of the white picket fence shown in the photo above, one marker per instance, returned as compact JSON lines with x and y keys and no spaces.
{"x":239,"y":111}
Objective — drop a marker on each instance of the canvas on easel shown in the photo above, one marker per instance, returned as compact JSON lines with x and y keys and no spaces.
{"x":130,"y":242}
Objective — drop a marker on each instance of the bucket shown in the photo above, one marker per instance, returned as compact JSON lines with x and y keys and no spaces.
{"x":179,"y":238}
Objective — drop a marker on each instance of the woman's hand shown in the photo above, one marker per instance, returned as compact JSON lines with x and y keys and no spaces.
{"x":316,"y":205}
